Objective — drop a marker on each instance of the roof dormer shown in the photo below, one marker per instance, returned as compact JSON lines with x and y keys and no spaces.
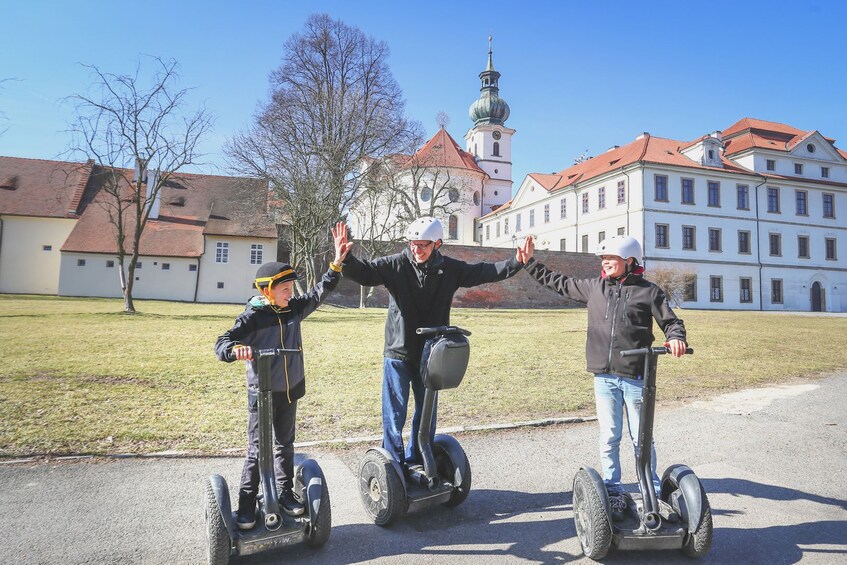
{"x":706,"y":150}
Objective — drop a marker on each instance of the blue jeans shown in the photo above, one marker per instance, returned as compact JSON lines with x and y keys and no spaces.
{"x":610,"y":395}
{"x":397,"y":378}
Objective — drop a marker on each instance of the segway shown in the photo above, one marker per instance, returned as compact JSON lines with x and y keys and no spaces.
{"x":274,"y":529}
{"x":681,"y":519}
{"x":388,"y":489}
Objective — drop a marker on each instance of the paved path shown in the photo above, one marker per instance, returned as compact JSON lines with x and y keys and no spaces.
{"x":773,"y":461}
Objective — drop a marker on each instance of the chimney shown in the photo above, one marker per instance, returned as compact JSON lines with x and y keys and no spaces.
{"x":152,"y":179}
{"x":642,"y":135}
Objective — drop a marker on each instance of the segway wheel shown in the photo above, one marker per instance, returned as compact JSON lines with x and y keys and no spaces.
{"x":381,"y":489}
{"x":446,"y":469}
{"x":318,"y":533}
{"x":217,"y":538}
{"x":698,"y":543}
{"x":590,"y":517}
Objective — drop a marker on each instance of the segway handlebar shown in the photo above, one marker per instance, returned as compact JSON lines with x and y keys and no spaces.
{"x":652,"y":350}
{"x":269,"y":352}
{"x":441,"y":330}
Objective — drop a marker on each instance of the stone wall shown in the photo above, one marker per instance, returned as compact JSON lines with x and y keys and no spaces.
{"x":520,"y":291}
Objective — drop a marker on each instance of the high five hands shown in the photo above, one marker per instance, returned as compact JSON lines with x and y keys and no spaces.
{"x":342,"y":246}
{"x":524,"y":251}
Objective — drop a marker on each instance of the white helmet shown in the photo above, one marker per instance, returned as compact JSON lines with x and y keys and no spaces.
{"x":624,"y":246}
{"x":426,"y":228}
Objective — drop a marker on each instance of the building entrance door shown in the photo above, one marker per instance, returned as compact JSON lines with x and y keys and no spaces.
{"x":816,"y":297}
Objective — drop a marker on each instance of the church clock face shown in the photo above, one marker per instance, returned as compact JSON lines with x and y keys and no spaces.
{"x":496,"y":134}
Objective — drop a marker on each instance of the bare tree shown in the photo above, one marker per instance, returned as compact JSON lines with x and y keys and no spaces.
{"x":673,"y":281}
{"x":129,"y":122}
{"x":334,"y":102}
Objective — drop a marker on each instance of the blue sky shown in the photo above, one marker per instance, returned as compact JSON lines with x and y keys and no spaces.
{"x":577,"y":75}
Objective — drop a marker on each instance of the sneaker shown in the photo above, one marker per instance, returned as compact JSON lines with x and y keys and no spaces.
{"x":290,"y":505}
{"x":617,"y":502}
{"x":245,"y":518}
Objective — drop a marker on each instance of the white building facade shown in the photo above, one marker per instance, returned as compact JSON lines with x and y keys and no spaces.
{"x":750,"y":214}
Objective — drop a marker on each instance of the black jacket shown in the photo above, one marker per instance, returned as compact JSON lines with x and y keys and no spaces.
{"x":620,"y":317}
{"x":262,"y":326}
{"x":421,"y":295}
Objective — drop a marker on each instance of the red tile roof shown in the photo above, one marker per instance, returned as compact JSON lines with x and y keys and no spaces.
{"x":443,"y":151}
{"x":191,"y":206}
{"x":749,"y":133}
{"x":47,"y":189}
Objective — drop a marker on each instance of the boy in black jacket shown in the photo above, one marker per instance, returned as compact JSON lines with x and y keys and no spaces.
{"x":272,"y":320}
{"x":621,"y":308}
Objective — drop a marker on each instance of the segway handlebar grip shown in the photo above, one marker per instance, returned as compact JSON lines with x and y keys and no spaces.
{"x":654,"y":350}
{"x":441,"y":330}
{"x":273,"y":352}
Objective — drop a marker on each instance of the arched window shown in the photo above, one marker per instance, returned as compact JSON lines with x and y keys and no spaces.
{"x":476,"y":198}
{"x":453,"y":229}
{"x":496,"y":151}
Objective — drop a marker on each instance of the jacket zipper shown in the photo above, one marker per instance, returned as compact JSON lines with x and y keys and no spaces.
{"x":284,"y":358}
{"x":614,"y":323}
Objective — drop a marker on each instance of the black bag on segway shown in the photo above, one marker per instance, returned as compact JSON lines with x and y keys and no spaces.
{"x":444,"y":361}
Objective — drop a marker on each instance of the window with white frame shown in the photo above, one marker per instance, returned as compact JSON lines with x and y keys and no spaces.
{"x":803,"y":246}
{"x":547,"y":213}
{"x":689,"y":238}
{"x":801,"y":199}
{"x":601,"y":197}
{"x":770,"y":164}
{"x":688,"y":191}
{"x":716,"y":289}
{"x":517,"y":222}
{"x":661,"y":188}
{"x":743,"y":242}
{"x":601,"y":236}
{"x":776,"y":291}
{"x":506,"y":226}
{"x":621,"y":231}
{"x":828,"y":205}
{"x":584,"y":202}
{"x":256,"y":253}
{"x":488,"y":232}
{"x":775,"y":243}
{"x":222,"y":252}
{"x":714,"y":190}
{"x":825,"y":172}
{"x":532,"y":219}
{"x":497,"y":229}
{"x":715,"y":239}
{"x":690,"y":288}
{"x":743,"y":192}
{"x":831,"y":252}
{"x":585,"y":244}
{"x":621,"y":192}
{"x":662,"y":235}
{"x":746,"y":287}
{"x":563,"y":208}
{"x":562,"y":244}
{"x":798,"y":168}
{"x":773,"y":200}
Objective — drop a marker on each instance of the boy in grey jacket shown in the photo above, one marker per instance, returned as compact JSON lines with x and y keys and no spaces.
{"x":272,"y":320}
{"x":621,"y":308}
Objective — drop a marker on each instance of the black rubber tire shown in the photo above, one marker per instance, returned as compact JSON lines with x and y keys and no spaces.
{"x":218,"y":544}
{"x":318,"y":533}
{"x":446,"y":470}
{"x":699,"y":543}
{"x":590,"y":518}
{"x":381,"y":490}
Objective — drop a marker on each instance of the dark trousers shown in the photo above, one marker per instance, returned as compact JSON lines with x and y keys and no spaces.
{"x":284,"y":416}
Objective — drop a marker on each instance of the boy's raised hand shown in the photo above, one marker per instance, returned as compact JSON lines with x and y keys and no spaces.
{"x":342,"y":246}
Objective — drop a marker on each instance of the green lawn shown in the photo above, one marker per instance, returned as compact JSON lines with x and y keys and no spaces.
{"x":78,"y":376}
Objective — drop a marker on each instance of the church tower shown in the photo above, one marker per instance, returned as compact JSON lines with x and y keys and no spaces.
{"x":489,"y":140}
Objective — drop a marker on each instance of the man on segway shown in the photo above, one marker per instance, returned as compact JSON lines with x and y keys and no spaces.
{"x":421,"y":282}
